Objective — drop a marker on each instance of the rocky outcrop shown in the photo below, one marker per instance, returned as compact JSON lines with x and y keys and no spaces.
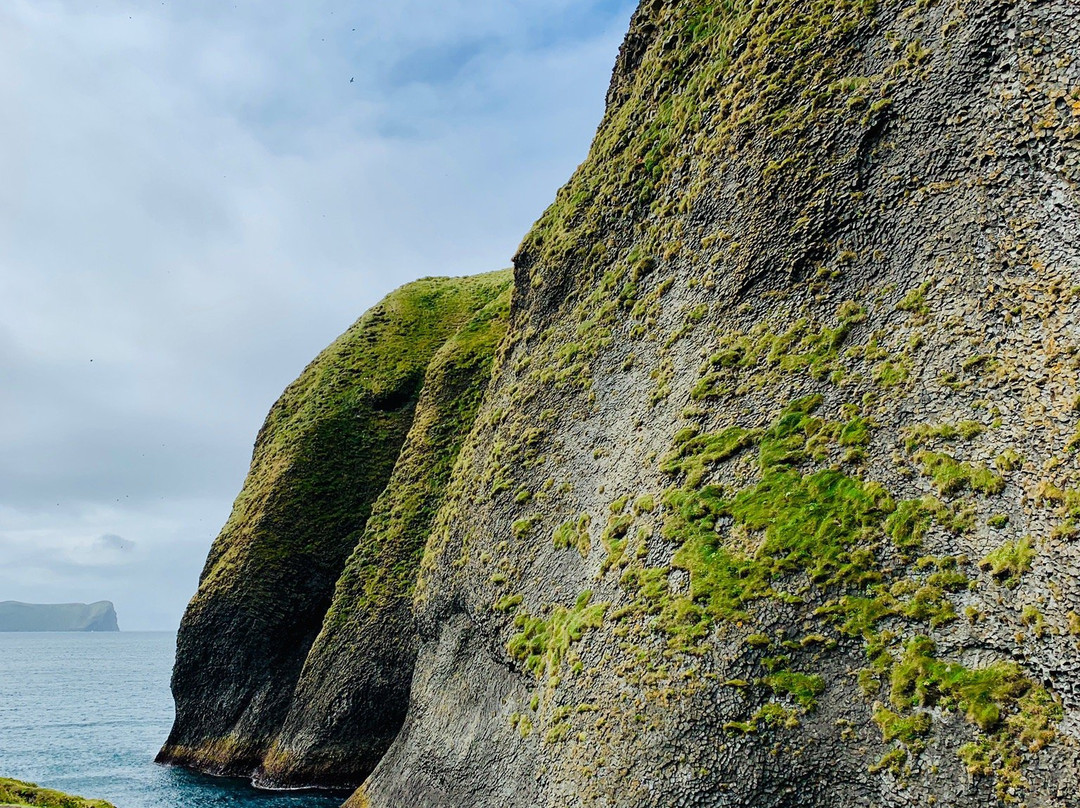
{"x":773,"y":497}
{"x":772,"y":500}
{"x":321,"y":462}
{"x":353,"y":693}
{"x":15,"y":616}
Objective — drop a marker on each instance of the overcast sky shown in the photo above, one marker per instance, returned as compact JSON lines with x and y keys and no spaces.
{"x":197,"y":197}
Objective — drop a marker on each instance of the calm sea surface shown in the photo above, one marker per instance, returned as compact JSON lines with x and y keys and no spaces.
{"x":86,"y":713}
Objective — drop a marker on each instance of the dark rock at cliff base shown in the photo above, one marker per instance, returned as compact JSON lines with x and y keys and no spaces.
{"x":15,"y":616}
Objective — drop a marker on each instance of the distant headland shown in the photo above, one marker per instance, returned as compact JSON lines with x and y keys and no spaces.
{"x":15,"y":616}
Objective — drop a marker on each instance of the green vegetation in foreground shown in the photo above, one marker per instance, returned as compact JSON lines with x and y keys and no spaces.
{"x":14,"y":792}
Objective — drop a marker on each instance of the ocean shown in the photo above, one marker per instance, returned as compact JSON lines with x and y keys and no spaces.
{"x":86,"y":713}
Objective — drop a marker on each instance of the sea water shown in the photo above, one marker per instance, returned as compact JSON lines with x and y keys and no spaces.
{"x":86,"y":713}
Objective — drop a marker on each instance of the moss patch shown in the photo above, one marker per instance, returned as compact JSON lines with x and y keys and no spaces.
{"x":543,"y":644}
{"x":801,"y":534}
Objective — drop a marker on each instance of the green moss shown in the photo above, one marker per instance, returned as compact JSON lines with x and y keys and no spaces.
{"x":614,"y":539}
{"x":855,"y":432}
{"x":574,"y":534}
{"x":775,"y":715}
{"x":915,"y":302}
{"x":802,"y":688}
{"x":907,"y":525}
{"x":1011,"y":560}
{"x":916,"y":436}
{"x":17,"y":793}
{"x":909,"y":731}
{"x":891,"y":373}
{"x":758,"y":641}
{"x":646,"y":503}
{"x":1014,"y":713}
{"x":1033,"y":618}
{"x":806,"y":523}
{"x":1009,"y":460}
{"x":508,"y":603}
{"x":521,"y":527}
{"x":823,"y":529}
{"x":696,"y":454}
{"x":894,"y":761}
{"x":542,"y":644}
{"x":951,"y":475}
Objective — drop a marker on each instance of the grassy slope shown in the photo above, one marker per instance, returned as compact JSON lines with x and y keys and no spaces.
{"x":14,"y":792}
{"x":322,"y":458}
{"x":367,"y":646}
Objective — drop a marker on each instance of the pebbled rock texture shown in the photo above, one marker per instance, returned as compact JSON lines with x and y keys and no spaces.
{"x":773,"y":499}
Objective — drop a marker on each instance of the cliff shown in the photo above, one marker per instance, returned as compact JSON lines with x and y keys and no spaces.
{"x":313,"y":511}
{"x":16,"y":616}
{"x":772,"y":498}
{"x":16,"y":794}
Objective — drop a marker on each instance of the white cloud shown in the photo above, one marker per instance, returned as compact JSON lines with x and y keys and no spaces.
{"x":196,"y":200}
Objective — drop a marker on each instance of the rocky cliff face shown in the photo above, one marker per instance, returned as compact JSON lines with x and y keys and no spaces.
{"x":773,"y":497}
{"x":322,"y":459}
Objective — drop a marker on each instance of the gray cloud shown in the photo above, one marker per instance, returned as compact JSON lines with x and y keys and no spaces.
{"x":198,"y":197}
{"x":110,"y":541}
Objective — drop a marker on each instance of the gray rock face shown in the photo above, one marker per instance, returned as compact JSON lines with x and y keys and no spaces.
{"x":15,"y":616}
{"x":773,"y":499}
{"x":720,"y":591}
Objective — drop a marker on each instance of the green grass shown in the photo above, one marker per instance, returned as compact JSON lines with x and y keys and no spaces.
{"x":383,"y":567}
{"x":541,"y":645}
{"x":801,"y":532}
{"x":322,"y":462}
{"x":15,"y":792}
{"x":813,"y":523}
{"x":951,"y":475}
{"x":1014,"y":714}
{"x":574,"y":534}
{"x":1009,"y":561}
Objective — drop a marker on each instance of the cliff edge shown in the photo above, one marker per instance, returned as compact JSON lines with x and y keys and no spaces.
{"x":315,"y":516}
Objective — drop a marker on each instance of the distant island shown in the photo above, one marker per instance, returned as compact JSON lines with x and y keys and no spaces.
{"x":15,"y":616}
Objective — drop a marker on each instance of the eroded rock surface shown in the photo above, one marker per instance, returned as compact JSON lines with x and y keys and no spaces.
{"x":773,"y":497}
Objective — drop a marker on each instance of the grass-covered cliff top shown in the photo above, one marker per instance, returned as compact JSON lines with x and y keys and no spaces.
{"x":322,"y":459}
{"x":23,"y":795}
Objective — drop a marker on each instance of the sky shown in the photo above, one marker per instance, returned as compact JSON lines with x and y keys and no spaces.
{"x":197,"y":197}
